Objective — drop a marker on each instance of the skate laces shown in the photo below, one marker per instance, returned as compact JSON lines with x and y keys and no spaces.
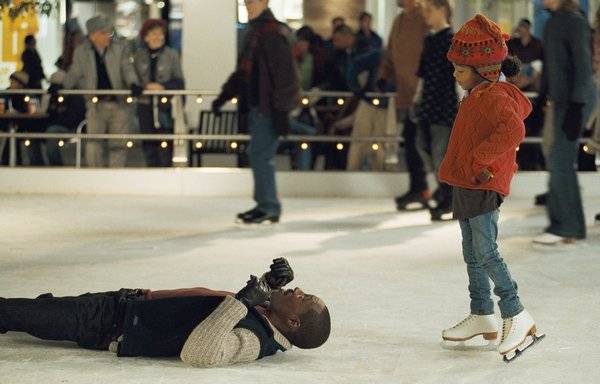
{"x":466,"y":320}
{"x":506,"y":325}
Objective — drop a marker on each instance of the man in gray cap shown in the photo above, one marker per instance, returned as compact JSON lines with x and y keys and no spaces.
{"x":102,"y":63}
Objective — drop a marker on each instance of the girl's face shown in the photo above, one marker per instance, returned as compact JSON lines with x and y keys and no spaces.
{"x":434,"y":16}
{"x":466,"y":77}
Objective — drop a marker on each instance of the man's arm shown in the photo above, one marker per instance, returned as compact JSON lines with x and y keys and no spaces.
{"x":75,"y":74}
{"x":283,"y":72}
{"x":215,"y":342}
{"x":386,"y":70}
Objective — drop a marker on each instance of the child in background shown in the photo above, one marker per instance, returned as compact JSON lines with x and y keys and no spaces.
{"x":436,"y":100}
{"x":480,"y":163}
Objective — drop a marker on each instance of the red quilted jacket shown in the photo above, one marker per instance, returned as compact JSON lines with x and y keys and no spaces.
{"x":487,"y":131}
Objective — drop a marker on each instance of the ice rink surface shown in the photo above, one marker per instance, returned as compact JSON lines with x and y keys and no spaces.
{"x":392,"y":283}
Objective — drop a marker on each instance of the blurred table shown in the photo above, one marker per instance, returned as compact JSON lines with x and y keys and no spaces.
{"x":13,"y":118}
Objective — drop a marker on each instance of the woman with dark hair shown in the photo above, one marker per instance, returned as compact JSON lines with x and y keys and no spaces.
{"x":158,"y":67}
{"x":567,"y":86}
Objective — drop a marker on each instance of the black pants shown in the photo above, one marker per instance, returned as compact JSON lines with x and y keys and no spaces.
{"x":414,"y":163}
{"x":91,"y":320}
{"x":156,"y":156}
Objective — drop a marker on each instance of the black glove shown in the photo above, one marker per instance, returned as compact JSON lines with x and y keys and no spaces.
{"x":280,"y":275}
{"x":281,"y":122}
{"x":217,"y":104}
{"x":573,"y":121}
{"x":255,"y":292}
{"x":136,"y":90}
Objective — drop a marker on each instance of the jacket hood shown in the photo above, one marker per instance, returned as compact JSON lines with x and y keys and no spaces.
{"x":504,"y":89}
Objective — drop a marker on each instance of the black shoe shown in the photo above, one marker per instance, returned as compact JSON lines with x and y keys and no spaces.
{"x":540,"y":200}
{"x":441,"y":214}
{"x":247,"y":214}
{"x":598,"y":218}
{"x":412,"y":201}
{"x":260,"y":217}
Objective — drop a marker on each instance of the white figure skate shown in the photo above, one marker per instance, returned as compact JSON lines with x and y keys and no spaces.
{"x":469,"y":328}
{"x":518,"y":334}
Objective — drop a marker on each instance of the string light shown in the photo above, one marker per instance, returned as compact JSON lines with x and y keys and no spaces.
{"x":94,"y":99}
{"x":61,"y":99}
{"x":304,"y":146}
{"x":376,"y":102}
{"x":586,"y":149}
{"x":27,"y":99}
{"x":164,"y":145}
{"x":305,"y":101}
{"x":199,"y":100}
{"x":234,"y":100}
{"x":129,"y":100}
{"x":341,"y":101}
{"x":27,"y":143}
{"x":199,"y":145}
{"x":130,"y":144}
{"x":234,"y":145}
{"x":340,"y":146}
{"x":160,"y":4}
{"x":164,"y":100}
{"x":375,"y":147}
{"x":61,"y":143}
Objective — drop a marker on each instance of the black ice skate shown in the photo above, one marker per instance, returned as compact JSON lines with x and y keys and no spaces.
{"x":257,"y":217}
{"x":413,"y":201}
{"x":441,"y":213}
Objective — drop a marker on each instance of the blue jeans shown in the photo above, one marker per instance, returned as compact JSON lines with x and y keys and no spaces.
{"x":302,"y":157}
{"x":483,"y":261}
{"x":262,"y":150}
{"x":564,"y":205}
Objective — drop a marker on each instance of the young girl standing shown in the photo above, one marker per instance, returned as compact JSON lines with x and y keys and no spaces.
{"x":480,"y":163}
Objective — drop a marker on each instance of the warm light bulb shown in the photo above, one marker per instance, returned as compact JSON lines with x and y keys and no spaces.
{"x":164,"y":100}
{"x":94,"y":99}
{"x":340,"y":146}
{"x":234,"y":145}
{"x":61,"y":143}
{"x":61,"y":99}
{"x":199,"y":100}
{"x":375,"y":147}
{"x":27,"y":143}
{"x":164,"y":145}
{"x":341,"y":101}
{"x":305,"y":101}
{"x":198,"y":145}
{"x":376,"y":102}
{"x":130,"y":144}
{"x":129,"y":100}
{"x":304,"y":146}
{"x":234,"y":100}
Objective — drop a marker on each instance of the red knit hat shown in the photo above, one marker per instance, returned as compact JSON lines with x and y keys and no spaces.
{"x":480,"y":44}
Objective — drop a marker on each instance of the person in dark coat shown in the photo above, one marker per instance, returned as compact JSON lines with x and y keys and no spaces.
{"x":567,"y":84}
{"x":266,"y":81}
{"x":205,"y":328}
{"x":32,"y":63}
{"x":158,"y":67}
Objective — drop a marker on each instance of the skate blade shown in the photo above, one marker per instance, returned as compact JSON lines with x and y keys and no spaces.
{"x":475,"y":344}
{"x":530,"y":341}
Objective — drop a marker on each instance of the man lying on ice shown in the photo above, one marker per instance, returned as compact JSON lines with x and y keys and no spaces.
{"x":205,"y":328}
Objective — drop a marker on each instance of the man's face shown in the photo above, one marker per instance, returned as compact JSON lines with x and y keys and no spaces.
{"x":406,"y":3}
{"x":523,"y":30}
{"x":255,"y":7}
{"x":365,"y":23}
{"x":342,"y":41}
{"x":552,"y":5}
{"x":101,"y":39}
{"x":292,"y":303}
{"x":14,"y":84}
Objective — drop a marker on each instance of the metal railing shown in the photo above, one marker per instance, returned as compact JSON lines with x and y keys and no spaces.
{"x":307,"y":98}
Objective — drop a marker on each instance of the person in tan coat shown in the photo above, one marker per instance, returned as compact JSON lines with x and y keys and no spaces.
{"x":399,"y":66}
